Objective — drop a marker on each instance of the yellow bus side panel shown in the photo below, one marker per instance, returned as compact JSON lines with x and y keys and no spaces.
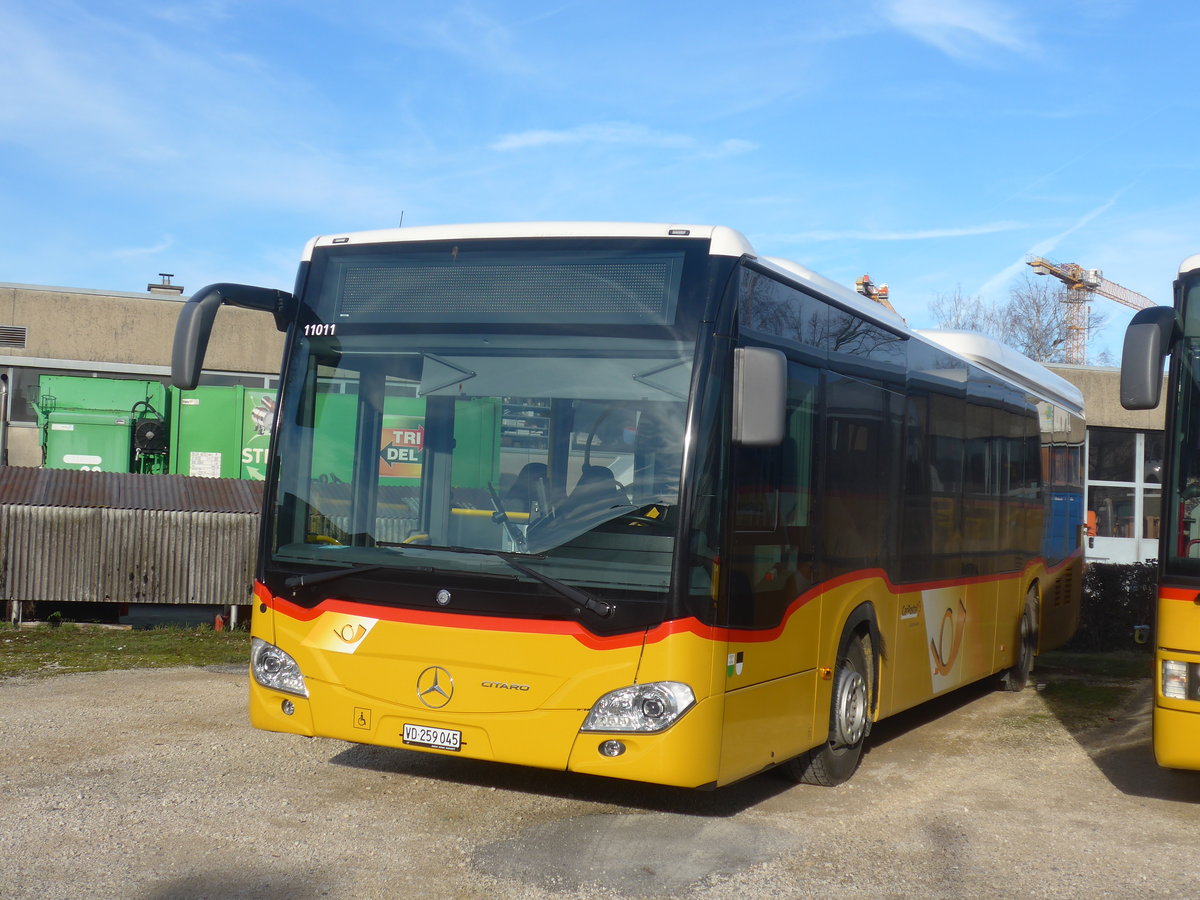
{"x":1060,"y":589}
{"x":766,"y":724}
{"x":934,"y":638}
{"x":1176,"y":722}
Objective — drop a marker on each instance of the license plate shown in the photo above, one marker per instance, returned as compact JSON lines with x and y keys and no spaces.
{"x":435,"y":738}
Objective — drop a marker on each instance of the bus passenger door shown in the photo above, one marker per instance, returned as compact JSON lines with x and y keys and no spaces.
{"x":770,"y":607}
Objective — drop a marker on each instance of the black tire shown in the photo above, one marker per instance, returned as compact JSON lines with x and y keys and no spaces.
{"x":1017,"y":677}
{"x":849,"y":719}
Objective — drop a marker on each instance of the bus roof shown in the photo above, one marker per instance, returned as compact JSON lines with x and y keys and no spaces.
{"x":990,"y":354}
{"x":725,"y":241}
{"x":1190,"y":264}
{"x":852,"y":299}
{"x":974,"y":348}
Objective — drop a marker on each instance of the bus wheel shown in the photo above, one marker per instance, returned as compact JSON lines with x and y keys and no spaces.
{"x":849,"y":719}
{"x":1016,"y":678}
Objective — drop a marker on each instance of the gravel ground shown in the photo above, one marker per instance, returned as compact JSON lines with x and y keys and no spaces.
{"x":151,"y":784}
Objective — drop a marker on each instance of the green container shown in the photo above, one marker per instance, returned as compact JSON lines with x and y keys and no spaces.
{"x":402,"y":440}
{"x":119,"y":395}
{"x":225,"y":432}
{"x":258,"y":418}
{"x":221,"y":431}
{"x":88,"y":441}
{"x":87,"y":423}
{"x":206,"y":432}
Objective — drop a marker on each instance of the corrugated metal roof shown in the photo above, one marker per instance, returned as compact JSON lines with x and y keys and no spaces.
{"x":111,"y":490}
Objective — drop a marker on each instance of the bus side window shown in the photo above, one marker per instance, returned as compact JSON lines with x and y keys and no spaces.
{"x":773,"y":536}
{"x":856,"y":485}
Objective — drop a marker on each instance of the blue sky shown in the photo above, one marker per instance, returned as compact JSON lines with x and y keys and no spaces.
{"x":934,"y":144}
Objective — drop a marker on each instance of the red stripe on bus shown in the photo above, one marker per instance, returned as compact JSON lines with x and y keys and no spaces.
{"x":1188,"y":595}
{"x":446,"y":620}
{"x":657,"y":633}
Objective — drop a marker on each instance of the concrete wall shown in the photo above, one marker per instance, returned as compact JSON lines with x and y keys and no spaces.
{"x":24,"y":446}
{"x":1102,"y":399}
{"x":135,"y":329}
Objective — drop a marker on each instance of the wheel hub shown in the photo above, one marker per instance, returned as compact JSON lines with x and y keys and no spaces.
{"x":850,"y":709}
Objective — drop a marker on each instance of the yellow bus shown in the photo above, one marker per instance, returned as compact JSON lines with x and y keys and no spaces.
{"x":1154,"y":335}
{"x":631,"y":500}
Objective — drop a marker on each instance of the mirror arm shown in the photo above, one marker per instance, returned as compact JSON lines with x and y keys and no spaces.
{"x":194,"y":326}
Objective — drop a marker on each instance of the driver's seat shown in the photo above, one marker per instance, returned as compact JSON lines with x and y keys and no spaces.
{"x":596,"y":491}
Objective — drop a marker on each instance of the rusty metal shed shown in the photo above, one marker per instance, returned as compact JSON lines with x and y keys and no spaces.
{"x":83,"y":537}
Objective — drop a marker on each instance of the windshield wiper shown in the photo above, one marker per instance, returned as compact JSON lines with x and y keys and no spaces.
{"x":602,"y":608}
{"x":311,"y":578}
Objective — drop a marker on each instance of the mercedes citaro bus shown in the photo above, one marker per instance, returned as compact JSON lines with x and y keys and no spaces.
{"x":634,"y":501}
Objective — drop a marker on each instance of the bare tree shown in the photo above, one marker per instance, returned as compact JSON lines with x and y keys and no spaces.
{"x":962,"y":313}
{"x":1034,"y":320}
{"x":1040,"y":313}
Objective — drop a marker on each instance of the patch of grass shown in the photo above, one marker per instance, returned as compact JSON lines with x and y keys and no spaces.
{"x":1120,"y":665}
{"x":1088,"y":690}
{"x":43,"y":650}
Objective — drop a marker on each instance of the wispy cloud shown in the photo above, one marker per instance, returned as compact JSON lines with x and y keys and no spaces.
{"x":131,"y":252}
{"x":927,"y":234}
{"x":468,"y":33}
{"x":617,"y":133}
{"x":960,"y":28}
{"x":1045,"y":247}
{"x":193,"y":14}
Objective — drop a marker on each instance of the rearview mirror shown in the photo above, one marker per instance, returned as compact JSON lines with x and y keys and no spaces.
{"x":759,"y":396}
{"x":1148,"y":342}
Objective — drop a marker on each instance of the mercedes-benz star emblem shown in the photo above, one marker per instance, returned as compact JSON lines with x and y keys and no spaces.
{"x":435,"y":687}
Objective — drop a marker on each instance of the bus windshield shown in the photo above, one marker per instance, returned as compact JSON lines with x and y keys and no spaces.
{"x":1181,"y":548}
{"x":450,"y":450}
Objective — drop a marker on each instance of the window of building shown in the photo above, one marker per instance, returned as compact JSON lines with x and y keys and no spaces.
{"x":1124,"y":473}
{"x":1112,"y":454}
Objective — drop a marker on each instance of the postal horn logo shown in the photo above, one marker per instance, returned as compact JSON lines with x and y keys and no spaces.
{"x":435,"y":687}
{"x":350,"y":633}
{"x":954,"y":624}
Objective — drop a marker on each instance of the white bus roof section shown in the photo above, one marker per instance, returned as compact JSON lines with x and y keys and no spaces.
{"x":1190,"y":264}
{"x":973,"y":347}
{"x":852,"y":299}
{"x":725,"y":241}
{"x":1009,"y":364}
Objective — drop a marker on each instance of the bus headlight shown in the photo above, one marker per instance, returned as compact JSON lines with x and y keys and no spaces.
{"x":642,"y":708}
{"x":274,"y":669}
{"x":1175,"y":679}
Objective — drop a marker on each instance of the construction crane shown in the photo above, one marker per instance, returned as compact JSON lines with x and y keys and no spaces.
{"x":876,"y":292}
{"x":1081,"y":284}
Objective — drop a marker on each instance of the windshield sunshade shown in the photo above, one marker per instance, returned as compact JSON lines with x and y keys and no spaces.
{"x":455,"y":283}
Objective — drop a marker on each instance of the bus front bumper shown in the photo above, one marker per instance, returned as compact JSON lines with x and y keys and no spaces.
{"x":548,"y":739}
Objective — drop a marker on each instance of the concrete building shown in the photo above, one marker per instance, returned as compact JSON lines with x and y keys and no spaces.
{"x":75,"y":331}
{"x":1124,"y":469}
